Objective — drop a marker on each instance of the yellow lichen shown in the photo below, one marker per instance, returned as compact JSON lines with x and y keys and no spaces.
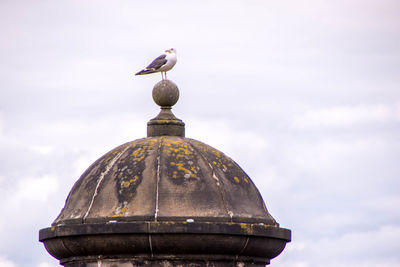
{"x":138,"y":159}
{"x":131,"y":181}
{"x":182,"y":159}
{"x":107,"y":160}
{"x":244,"y":225}
{"x":120,"y":212}
{"x":236,"y":179}
{"x":168,"y":222}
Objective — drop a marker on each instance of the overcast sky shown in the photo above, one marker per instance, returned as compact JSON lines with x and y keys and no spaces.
{"x":303,"y":95}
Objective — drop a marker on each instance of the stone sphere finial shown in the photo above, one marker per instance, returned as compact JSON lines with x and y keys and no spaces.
{"x":165,"y":93}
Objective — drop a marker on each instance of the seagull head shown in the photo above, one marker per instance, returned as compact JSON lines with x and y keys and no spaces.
{"x":171,"y":50}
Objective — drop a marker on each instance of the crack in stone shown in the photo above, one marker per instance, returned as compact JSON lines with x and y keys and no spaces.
{"x":158,"y":178}
{"x":102,"y":175}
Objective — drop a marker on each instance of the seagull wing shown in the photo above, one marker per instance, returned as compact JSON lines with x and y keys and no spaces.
{"x":154,"y":66}
{"x":157,"y":63}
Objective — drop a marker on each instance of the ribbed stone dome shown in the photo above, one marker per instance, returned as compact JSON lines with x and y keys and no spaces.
{"x":164,"y":200}
{"x":164,"y":178}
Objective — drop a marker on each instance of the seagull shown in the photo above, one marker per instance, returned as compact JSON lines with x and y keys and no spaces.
{"x":162,"y":64}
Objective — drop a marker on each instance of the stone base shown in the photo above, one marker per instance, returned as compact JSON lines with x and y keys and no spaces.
{"x":100,"y":262}
{"x":164,"y":243}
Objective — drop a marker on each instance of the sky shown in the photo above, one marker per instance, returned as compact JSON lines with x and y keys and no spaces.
{"x":303,"y":95}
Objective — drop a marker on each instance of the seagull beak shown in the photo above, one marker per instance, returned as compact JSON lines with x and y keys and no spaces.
{"x":168,"y":51}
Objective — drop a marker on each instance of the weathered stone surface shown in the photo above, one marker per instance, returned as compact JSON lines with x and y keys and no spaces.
{"x":164,"y":178}
{"x":165,"y":93}
{"x":164,"y":241}
{"x":161,"y":263}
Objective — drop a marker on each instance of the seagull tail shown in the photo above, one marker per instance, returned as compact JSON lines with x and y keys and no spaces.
{"x":145,"y":71}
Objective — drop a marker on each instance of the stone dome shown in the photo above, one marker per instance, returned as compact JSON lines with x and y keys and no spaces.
{"x":164,"y":178}
{"x":164,"y":200}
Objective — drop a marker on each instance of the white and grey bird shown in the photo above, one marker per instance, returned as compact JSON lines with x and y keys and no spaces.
{"x":162,"y":64}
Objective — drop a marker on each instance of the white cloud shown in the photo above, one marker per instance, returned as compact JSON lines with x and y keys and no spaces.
{"x":4,"y":262}
{"x":382,"y":241}
{"x":22,"y":197}
{"x":42,"y":149}
{"x":331,"y":151}
{"x":36,"y":189}
{"x":345,"y":116}
{"x":47,"y":264}
{"x":377,"y":247}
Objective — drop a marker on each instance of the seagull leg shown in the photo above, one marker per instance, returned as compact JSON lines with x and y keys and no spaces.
{"x":165,"y":73}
